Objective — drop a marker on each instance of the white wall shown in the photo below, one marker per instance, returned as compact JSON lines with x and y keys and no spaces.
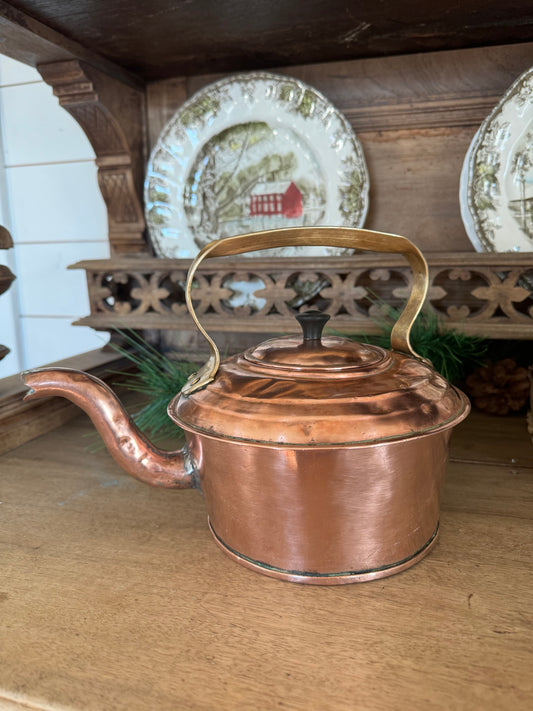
{"x":51,"y":204}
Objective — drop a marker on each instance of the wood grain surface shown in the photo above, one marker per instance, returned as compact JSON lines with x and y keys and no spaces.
{"x":113,"y":596}
{"x":166,"y":38}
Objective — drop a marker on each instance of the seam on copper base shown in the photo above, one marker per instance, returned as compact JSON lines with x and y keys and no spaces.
{"x":313,"y":578}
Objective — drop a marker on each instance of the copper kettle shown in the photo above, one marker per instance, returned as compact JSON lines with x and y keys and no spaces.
{"x":321,"y":459}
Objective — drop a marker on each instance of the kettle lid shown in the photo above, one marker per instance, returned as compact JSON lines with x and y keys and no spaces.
{"x":314,"y":353}
{"x":321,"y":391}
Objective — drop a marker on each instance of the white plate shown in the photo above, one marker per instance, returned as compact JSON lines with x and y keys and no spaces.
{"x":251,"y":152}
{"x":496,"y":191}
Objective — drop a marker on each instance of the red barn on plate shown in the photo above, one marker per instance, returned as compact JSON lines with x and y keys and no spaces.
{"x":276,"y":198}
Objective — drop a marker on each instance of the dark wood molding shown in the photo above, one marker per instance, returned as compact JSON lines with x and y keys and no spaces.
{"x":428,"y":112}
{"x":27,"y":40}
{"x":112,"y":116}
{"x":166,"y":38}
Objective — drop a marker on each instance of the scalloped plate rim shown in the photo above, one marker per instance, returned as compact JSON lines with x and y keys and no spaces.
{"x":168,"y":247}
{"x":471,"y":220}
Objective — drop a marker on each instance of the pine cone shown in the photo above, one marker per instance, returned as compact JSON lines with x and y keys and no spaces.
{"x":499,"y":388}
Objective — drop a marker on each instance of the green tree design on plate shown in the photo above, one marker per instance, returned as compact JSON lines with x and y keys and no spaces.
{"x":485,"y":185}
{"x":306,"y":105}
{"x":226,"y":169}
{"x":198,"y":110}
{"x":521,"y":169}
{"x":351,"y":196}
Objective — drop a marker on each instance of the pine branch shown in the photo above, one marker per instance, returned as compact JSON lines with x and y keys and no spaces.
{"x":158,"y":377}
{"x":452,"y":353}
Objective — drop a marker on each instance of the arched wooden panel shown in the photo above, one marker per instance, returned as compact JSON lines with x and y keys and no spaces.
{"x":112,"y":116}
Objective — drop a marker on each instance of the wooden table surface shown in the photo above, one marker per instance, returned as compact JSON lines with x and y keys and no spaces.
{"x":113,"y":596}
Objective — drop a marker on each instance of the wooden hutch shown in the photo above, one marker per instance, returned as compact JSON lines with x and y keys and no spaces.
{"x":414,"y":85}
{"x":114,"y":596}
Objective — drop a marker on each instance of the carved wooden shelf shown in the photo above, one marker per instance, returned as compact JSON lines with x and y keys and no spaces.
{"x":483,"y":294}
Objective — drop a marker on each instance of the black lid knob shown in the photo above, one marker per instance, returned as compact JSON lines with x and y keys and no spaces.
{"x":312,"y":323}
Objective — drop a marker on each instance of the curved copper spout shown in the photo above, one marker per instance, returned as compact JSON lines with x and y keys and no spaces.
{"x":127,"y":445}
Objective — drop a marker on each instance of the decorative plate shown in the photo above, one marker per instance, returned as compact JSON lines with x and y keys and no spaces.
{"x":253,"y":152}
{"x":496,"y":192}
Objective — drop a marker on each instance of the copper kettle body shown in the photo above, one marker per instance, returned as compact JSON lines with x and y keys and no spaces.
{"x":321,"y":460}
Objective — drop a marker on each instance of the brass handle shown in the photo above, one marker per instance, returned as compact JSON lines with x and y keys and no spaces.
{"x":345,"y":237}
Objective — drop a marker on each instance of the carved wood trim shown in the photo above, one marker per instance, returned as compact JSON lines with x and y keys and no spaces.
{"x":483,"y":294}
{"x":112,"y":116}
